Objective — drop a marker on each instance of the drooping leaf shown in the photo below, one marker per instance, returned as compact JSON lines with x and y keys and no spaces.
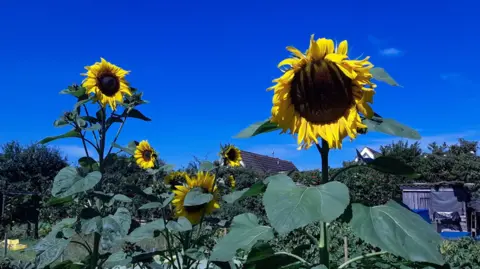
{"x":181,"y":225}
{"x":69,"y":134}
{"x":129,"y":149}
{"x":68,"y":182}
{"x":255,"y":189}
{"x":263,"y":256}
{"x":93,"y":225}
{"x":391,"y":165}
{"x":121,"y":198}
{"x":258,"y":128}
{"x":206,"y":166}
{"x":289,"y":206}
{"x":60,"y":122}
{"x":80,"y":103}
{"x":112,"y":120}
{"x":112,"y":232}
{"x":391,"y":127}
{"x":197,"y":197}
{"x":56,"y":201}
{"x":135,"y":113}
{"x":244,"y":233}
{"x":395,"y":229}
{"x":151,"y":205}
{"x":146,"y":231}
{"x":76,"y":91}
{"x":381,"y":75}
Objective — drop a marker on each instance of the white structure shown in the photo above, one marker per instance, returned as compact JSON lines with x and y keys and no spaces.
{"x":368,"y":153}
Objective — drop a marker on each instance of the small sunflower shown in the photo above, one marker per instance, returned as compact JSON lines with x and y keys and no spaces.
{"x":232,"y":181}
{"x":107,"y":82}
{"x":231,"y":156}
{"x":203,"y":181}
{"x":321,"y":94}
{"x":145,"y":156}
{"x":176,"y":178}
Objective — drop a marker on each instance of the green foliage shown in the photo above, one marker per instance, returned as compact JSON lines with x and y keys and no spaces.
{"x":258,"y":128}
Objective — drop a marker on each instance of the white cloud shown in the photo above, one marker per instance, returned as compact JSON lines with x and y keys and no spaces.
{"x":391,"y":52}
{"x":74,"y":152}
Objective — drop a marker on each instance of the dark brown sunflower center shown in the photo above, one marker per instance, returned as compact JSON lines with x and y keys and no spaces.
{"x":232,"y":155}
{"x":196,"y":208}
{"x":108,"y":84}
{"x":321,"y":93}
{"x":147,"y":155}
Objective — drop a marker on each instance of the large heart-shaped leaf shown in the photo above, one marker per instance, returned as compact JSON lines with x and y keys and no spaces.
{"x":396,"y":229}
{"x":146,"y":231}
{"x":244,"y":233}
{"x":258,"y":128}
{"x":289,"y":206}
{"x":68,"y":182}
{"x":197,"y":197}
{"x":52,"y":249}
{"x":181,"y":225}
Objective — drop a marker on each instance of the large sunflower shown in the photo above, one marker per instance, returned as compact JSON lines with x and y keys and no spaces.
{"x":176,"y":178}
{"x":145,"y":155}
{"x":231,"y":156}
{"x":107,"y":82}
{"x":203,"y":181}
{"x":321,"y":94}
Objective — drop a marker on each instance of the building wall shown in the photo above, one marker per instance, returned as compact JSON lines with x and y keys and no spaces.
{"x":417,"y":199}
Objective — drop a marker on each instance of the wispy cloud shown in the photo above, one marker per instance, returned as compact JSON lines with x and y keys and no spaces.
{"x":383,"y":49}
{"x":391,"y":52}
{"x":74,"y":152}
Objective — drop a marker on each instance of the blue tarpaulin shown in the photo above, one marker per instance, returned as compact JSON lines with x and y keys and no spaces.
{"x":424,"y":214}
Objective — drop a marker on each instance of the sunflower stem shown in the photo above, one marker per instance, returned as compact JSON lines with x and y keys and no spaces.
{"x":117,"y":134}
{"x":93,"y":132}
{"x":323,"y":240}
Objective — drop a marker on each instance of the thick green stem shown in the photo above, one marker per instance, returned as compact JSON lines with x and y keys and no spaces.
{"x":345,"y":264}
{"x":96,"y":248}
{"x":323,"y":240}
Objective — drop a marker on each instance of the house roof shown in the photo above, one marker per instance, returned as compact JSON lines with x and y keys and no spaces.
{"x":266,"y":164}
{"x":372,"y":150}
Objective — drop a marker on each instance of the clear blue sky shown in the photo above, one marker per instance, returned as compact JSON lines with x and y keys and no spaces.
{"x":205,"y":66}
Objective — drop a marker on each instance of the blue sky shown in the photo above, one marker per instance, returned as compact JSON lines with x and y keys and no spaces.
{"x":205,"y":67}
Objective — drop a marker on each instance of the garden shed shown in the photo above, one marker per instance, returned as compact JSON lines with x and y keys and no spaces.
{"x":450,"y":206}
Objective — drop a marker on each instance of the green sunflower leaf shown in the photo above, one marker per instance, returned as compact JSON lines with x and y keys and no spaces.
{"x":68,"y":134}
{"x":391,"y":127}
{"x":68,"y":182}
{"x":255,"y":189}
{"x":77,"y":91}
{"x":135,"y":113}
{"x":206,"y":166}
{"x":196,"y":197}
{"x":128,"y":149}
{"x":289,"y":206}
{"x":60,"y":122}
{"x":258,"y":128}
{"x":181,"y":225}
{"x":146,"y":231}
{"x":393,"y":166}
{"x":244,"y":233}
{"x":381,"y":75}
{"x":88,"y":163}
{"x":397,"y":230}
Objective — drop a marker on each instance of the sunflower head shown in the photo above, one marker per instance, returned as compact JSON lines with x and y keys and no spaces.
{"x":232,"y":181}
{"x":231,"y":156}
{"x":176,"y":178}
{"x":145,"y":155}
{"x":322,"y":93}
{"x":204,"y":182}
{"x":107,"y":82}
